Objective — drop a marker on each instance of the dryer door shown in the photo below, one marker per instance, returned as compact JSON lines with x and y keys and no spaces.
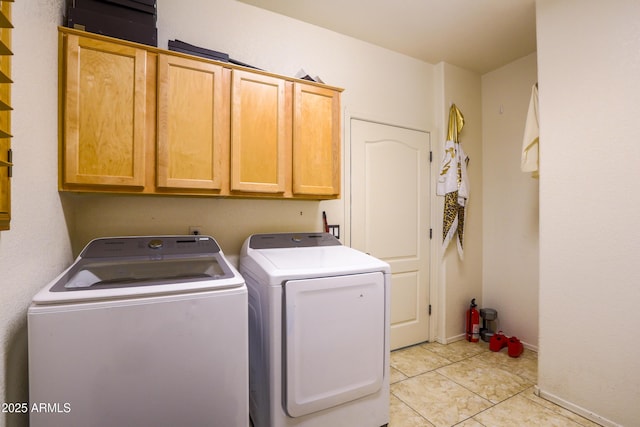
{"x":334,"y":340}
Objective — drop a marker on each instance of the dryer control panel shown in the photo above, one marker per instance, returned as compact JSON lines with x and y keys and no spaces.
{"x":292,"y":240}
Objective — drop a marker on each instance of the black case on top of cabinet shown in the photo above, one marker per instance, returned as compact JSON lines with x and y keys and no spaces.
{"x":116,"y":11}
{"x":112,"y":26}
{"x":147,"y":6}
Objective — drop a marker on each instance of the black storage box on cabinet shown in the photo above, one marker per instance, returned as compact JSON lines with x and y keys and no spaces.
{"x":113,"y":10}
{"x":111,"y":19}
{"x":143,"y":6}
{"x":147,"y":6}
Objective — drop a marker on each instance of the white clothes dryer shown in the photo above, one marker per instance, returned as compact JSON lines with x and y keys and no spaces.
{"x":318,"y":332}
{"x":141,"y":331}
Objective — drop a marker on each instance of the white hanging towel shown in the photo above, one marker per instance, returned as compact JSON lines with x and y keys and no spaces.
{"x":453,"y":184}
{"x":531,"y":140}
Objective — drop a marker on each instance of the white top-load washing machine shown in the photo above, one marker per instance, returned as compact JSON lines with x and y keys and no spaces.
{"x":141,"y":331}
{"x":318,"y":332}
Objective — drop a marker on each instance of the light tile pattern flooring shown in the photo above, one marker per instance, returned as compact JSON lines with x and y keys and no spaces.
{"x":465,"y":384}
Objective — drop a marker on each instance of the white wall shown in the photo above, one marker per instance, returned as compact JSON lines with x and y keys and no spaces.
{"x":37,"y":247}
{"x":588,"y":70}
{"x":460,"y":281}
{"x":378,"y":84}
{"x":510,"y":216}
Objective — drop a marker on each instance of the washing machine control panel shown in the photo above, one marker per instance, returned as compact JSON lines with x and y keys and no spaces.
{"x":150,"y":246}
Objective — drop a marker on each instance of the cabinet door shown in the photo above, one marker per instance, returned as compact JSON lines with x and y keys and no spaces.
{"x":193,"y":124}
{"x":105,"y":113}
{"x":260,"y":133}
{"x":316,"y":141}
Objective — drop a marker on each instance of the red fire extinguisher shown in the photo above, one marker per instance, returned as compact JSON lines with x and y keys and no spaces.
{"x":473,"y":323}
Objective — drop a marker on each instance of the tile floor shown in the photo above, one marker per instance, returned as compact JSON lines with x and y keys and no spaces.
{"x":467,"y":385}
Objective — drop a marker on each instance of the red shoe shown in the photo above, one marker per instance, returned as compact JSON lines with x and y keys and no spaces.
{"x":515,"y":347}
{"x":497,"y":342}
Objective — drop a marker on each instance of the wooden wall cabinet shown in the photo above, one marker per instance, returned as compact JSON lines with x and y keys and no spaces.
{"x":285,"y":137}
{"x":5,"y":114}
{"x":193,"y":125}
{"x":260,"y":133}
{"x":137,"y":119}
{"x":105,"y":114}
{"x":316,"y":141}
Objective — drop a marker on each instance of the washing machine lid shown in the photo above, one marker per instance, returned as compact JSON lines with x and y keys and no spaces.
{"x":284,"y":256}
{"x":136,"y":266}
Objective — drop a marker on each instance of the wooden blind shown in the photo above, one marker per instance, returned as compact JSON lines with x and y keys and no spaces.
{"x":5,"y":113}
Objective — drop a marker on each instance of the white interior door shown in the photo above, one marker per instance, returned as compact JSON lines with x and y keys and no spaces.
{"x":390,"y":197}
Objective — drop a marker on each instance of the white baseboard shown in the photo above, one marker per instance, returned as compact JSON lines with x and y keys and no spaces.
{"x":460,"y":337}
{"x":530,"y":346}
{"x":575,"y":408}
{"x":449,"y":340}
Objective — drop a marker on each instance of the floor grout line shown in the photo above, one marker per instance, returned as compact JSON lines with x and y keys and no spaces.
{"x":524,"y":373}
{"x":497,"y":365}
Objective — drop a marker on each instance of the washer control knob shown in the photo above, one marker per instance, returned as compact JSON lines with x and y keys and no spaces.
{"x":156,"y":244}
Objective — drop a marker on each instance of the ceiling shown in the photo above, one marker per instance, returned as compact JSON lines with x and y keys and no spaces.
{"x":478,"y":35}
